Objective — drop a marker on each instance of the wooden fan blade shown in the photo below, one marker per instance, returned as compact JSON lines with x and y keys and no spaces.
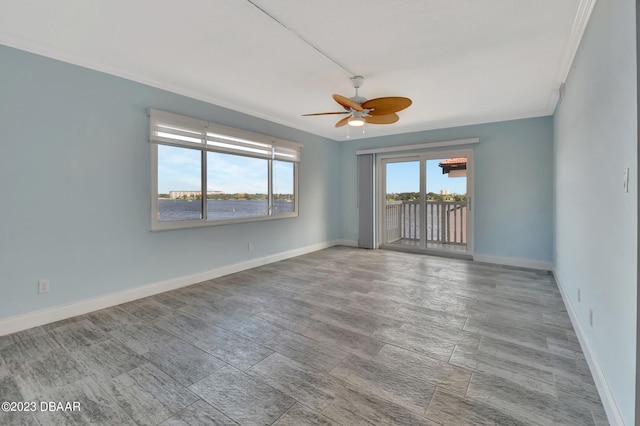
{"x":384,"y":106}
{"x":346,"y":102}
{"x":382,"y":119}
{"x":326,"y":113}
{"x":343,"y":121}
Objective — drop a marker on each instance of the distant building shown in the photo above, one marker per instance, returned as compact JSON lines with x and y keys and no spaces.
{"x":190,"y":195}
{"x":447,"y":195}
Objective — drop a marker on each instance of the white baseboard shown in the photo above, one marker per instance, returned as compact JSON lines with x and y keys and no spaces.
{"x":514,"y":261}
{"x":608,"y":401}
{"x":57,"y":313}
{"x":344,"y":242}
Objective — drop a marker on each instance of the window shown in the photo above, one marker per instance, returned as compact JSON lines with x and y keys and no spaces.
{"x":207,"y":174}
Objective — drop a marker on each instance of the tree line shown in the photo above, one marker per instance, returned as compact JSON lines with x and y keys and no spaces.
{"x":431,"y":196}
{"x":236,"y":196}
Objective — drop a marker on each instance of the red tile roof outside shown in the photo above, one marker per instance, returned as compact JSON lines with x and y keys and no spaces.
{"x":453,"y":161}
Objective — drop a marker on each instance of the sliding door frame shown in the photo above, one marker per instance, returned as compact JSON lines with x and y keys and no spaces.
{"x":426,"y":154}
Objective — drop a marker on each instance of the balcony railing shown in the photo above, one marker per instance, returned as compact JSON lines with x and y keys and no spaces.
{"x":446,"y":221}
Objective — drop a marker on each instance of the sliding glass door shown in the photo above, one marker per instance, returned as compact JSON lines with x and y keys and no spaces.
{"x":426,"y":202}
{"x":402,"y":202}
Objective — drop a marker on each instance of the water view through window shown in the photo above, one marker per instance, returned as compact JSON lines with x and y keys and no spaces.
{"x":179,"y":183}
{"x":283,"y":193}
{"x":237,"y":186}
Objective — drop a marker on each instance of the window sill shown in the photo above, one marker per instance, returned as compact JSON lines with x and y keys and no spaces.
{"x":200,"y":223}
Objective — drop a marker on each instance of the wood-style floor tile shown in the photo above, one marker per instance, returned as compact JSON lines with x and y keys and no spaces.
{"x":10,"y":392}
{"x":362,"y":322}
{"x":242,"y":398}
{"x":299,"y":415}
{"x":446,"y":376}
{"x":448,"y":409}
{"x":397,"y":387}
{"x":539,"y":358}
{"x":24,"y":347}
{"x":340,"y":336}
{"x":536,"y":379}
{"x":199,"y":413}
{"x":421,"y":316}
{"x":150,"y":396}
{"x":416,"y":341}
{"x":50,"y":371}
{"x":306,"y":351}
{"x":526,"y":405}
{"x":344,"y":339}
{"x":96,"y":406}
{"x":107,"y":359}
{"x":357,"y":408}
{"x":220,"y":343}
{"x":312,"y":388}
{"x":183,"y":361}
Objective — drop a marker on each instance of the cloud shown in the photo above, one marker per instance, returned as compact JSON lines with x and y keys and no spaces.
{"x":179,"y":169}
{"x":236,"y":174}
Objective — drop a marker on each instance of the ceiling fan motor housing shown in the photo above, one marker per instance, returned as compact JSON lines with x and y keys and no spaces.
{"x":357,"y":81}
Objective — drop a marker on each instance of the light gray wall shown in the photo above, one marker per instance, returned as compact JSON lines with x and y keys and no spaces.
{"x":513,"y":191}
{"x":75,"y":172}
{"x":596,"y":222}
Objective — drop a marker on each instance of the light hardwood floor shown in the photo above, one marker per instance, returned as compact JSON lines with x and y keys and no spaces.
{"x":337,"y":337}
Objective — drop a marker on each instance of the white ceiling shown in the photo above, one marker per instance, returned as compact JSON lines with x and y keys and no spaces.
{"x":460,"y":61}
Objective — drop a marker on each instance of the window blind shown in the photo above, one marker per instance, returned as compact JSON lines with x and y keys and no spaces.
{"x":286,"y":151}
{"x":366,"y":201}
{"x":174,"y":129}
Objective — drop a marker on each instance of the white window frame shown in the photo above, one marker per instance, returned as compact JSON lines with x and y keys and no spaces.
{"x":221,"y":139}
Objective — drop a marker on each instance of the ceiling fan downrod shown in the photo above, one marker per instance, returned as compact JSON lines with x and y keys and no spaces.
{"x":357,"y":81}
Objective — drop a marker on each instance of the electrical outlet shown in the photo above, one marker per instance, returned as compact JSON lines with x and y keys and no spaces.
{"x":625,"y":181}
{"x":43,"y":286}
{"x":591,"y":317}
{"x":578,"y":295}
{"x":250,"y":247}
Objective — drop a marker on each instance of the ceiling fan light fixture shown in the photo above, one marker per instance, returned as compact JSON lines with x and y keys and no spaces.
{"x":356,"y":121}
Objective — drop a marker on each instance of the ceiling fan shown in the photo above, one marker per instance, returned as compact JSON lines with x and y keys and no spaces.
{"x":361,"y":110}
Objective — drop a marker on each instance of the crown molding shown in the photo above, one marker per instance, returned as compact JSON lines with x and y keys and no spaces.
{"x":583,"y":13}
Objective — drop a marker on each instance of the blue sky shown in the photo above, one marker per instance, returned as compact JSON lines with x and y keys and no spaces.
{"x":179,"y":170}
{"x":405,"y":177}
